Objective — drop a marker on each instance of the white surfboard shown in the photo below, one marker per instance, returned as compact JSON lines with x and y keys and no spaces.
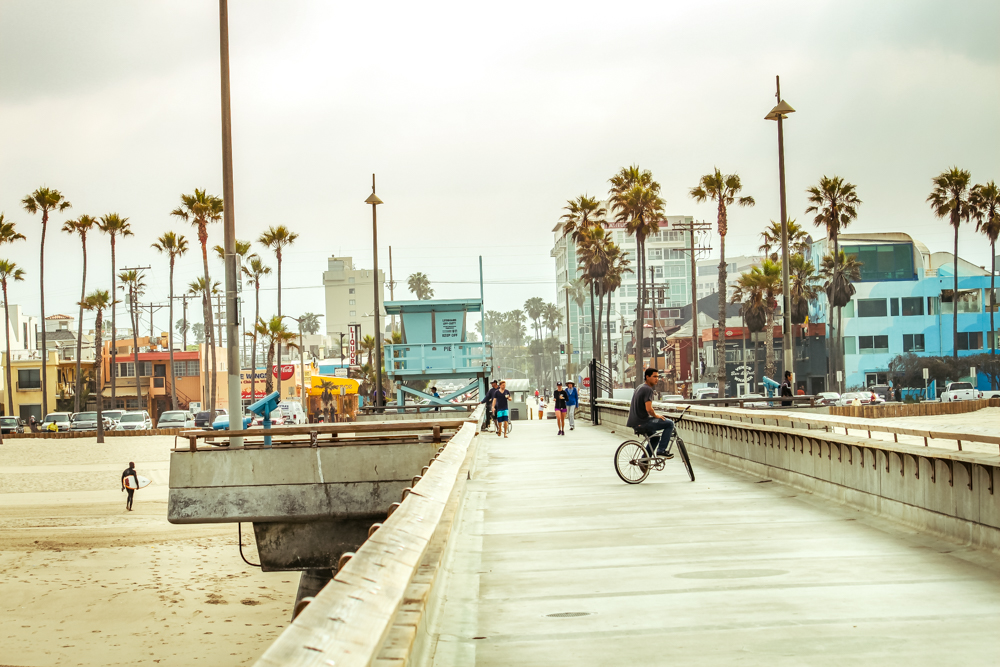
{"x":130,"y":482}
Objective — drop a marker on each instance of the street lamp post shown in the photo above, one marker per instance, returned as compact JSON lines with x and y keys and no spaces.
{"x":779,"y":113}
{"x":375,"y":201}
{"x":302,"y":363}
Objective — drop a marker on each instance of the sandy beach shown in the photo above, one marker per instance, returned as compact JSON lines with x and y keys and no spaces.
{"x":87,"y":583}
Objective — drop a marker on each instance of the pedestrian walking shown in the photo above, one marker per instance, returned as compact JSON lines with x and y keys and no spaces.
{"x":786,"y":388}
{"x":435,"y":394}
{"x":488,"y":401}
{"x":559,"y":401}
{"x":572,"y":400}
{"x":501,"y":408}
{"x":129,"y":472}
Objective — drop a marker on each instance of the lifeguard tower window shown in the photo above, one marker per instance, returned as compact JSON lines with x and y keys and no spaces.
{"x":883,"y":261}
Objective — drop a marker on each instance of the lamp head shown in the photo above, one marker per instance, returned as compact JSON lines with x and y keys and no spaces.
{"x":782,"y":110}
{"x":373,"y":200}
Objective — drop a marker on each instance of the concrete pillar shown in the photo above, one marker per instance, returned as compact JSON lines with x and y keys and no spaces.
{"x":311,"y":582}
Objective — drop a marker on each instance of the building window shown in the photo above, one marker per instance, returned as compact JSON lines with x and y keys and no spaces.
{"x":990,"y":336}
{"x":676,"y":254}
{"x":350,"y":279}
{"x":657,"y":272}
{"x":29,"y":378}
{"x":655,"y":253}
{"x":912,"y":305}
{"x":354,"y":313}
{"x":850,"y":345}
{"x":894,"y":307}
{"x":180,"y":369}
{"x":970,"y":340}
{"x":350,"y":290}
{"x":351,"y":302}
{"x":933,"y":305}
{"x":126,"y":370}
{"x":913,"y":342}
{"x":28,"y":411}
{"x":872,"y":308}
{"x":873,"y":344}
{"x":888,"y":261}
{"x":969,"y":301}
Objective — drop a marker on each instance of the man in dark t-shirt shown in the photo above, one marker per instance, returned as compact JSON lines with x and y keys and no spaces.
{"x":786,"y":388}
{"x":644,"y":419}
{"x":501,"y":405}
{"x":488,"y":400}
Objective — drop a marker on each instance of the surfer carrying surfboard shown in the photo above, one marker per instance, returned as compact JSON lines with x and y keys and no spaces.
{"x":130,"y":485}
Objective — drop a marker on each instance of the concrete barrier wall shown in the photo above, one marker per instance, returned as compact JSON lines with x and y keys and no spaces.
{"x":925,"y":409}
{"x":93,"y":434}
{"x":952,"y":494}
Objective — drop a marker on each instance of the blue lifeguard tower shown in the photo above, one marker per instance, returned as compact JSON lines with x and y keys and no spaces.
{"x":434,"y":347}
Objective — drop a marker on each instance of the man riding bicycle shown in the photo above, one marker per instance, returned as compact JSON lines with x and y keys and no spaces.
{"x":643,"y":419}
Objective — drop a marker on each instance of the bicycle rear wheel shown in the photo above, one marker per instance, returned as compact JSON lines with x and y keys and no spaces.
{"x":685,"y":458}
{"x":628,"y":462}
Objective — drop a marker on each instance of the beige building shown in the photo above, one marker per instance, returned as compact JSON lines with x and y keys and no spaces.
{"x":350,"y":298}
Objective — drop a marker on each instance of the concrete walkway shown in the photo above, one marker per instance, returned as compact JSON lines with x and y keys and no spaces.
{"x":558,"y":562}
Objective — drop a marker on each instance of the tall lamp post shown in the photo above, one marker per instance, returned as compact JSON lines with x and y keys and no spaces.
{"x":375,"y":201}
{"x":302,"y":363}
{"x":779,"y":113}
{"x":234,"y":393}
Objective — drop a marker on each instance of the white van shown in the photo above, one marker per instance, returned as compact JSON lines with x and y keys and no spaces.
{"x":292,"y":412}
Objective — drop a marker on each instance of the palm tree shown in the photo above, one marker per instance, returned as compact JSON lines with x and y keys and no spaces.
{"x":203,"y":331}
{"x":592,"y":254}
{"x":835,"y":203}
{"x":838,"y":284}
{"x":277,"y":239}
{"x":114,"y":226}
{"x":256,"y":270}
{"x":310,"y":323}
{"x":420,"y":285}
{"x":182,"y":327}
{"x":274,"y":333}
{"x":533,"y":308}
{"x":950,"y":199}
{"x":724,"y":190}
{"x":770,"y":246}
{"x":97,"y":302}
{"x":583,"y":213}
{"x":9,"y":271}
{"x":803,"y":283}
{"x":173,"y":246}
{"x":758,"y":290}
{"x":80,"y":226}
{"x":136,"y":287}
{"x":636,"y":202}
{"x":44,"y":200}
{"x":242,"y":251}
{"x":986,"y":202}
{"x":367,"y":345}
{"x":200,"y":209}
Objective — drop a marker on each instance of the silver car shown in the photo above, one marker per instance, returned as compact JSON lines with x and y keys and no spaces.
{"x":114,"y":416}
{"x":175,"y":419}
{"x":87,"y":421}
{"x":135,"y":421}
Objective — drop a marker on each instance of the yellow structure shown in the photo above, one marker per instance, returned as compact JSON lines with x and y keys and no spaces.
{"x":26,"y":381}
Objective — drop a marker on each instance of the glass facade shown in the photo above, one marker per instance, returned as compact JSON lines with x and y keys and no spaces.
{"x":885,"y":261}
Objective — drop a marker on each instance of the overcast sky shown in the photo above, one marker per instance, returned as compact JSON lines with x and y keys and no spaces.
{"x":480,"y":120}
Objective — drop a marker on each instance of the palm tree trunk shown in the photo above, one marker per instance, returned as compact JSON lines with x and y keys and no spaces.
{"x":954,"y":299}
{"x":278,"y":253}
{"x":253,"y":345}
{"x":79,"y":329}
{"x":610,"y":373}
{"x":640,"y":310}
{"x":135,"y":347}
{"x":209,"y":333}
{"x":170,"y":341}
{"x":769,"y":342}
{"x":6,"y":321}
{"x":269,"y":381}
{"x":993,"y":328}
{"x":114,"y":338}
{"x":723,"y":280}
{"x":593,"y":330}
{"x":45,"y":349}
{"x":98,"y":323}
{"x":600,"y":319}
{"x":206,"y":360}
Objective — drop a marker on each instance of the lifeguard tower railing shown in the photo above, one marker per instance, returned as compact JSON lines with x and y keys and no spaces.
{"x":435,"y":347}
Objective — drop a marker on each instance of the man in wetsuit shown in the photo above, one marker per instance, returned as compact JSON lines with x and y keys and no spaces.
{"x":129,"y":472}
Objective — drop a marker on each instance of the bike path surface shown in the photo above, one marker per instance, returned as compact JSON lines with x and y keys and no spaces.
{"x":558,"y":562}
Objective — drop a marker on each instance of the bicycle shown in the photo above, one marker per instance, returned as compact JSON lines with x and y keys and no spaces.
{"x":491,"y":427}
{"x":634,"y":459}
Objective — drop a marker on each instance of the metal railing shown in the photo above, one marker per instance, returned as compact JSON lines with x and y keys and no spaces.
{"x":413,"y":359}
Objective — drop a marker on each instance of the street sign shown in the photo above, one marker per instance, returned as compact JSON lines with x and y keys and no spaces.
{"x":586,"y":382}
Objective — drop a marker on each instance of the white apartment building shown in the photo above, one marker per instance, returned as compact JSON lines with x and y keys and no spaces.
{"x":350,"y":298}
{"x":666,"y":255}
{"x":708,"y":273}
{"x":21,"y":331}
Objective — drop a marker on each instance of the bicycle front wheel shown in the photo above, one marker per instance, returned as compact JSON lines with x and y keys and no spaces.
{"x":685,"y":458}
{"x":631,"y":462}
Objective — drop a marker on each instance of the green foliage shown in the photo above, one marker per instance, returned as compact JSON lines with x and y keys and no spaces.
{"x":420,"y":285}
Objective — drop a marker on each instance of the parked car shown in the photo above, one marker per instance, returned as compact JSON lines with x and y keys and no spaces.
{"x":277,"y":419}
{"x":883,"y":391}
{"x":706,"y":392}
{"x":176,"y":419}
{"x":848,"y":398}
{"x":60,"y":419}
{"x":959,"y":391}
{"x":292,"y":412}
{"x":11,"y":425}
{"x":113,"y":415}
{"x":135,"y":421}
{"x":87,"y":421}
{"x":828,"y":398}
{"x":756,"y":404}
{"x":222,"y":421}
{"x":989,"y":394}
{"x":204,"y":419}
{"x":671,"y":397}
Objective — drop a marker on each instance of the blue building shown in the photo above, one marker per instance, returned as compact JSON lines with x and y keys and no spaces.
{"x":905,"y":303}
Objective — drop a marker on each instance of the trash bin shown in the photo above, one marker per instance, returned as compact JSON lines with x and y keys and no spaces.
{"x":515,"y":413}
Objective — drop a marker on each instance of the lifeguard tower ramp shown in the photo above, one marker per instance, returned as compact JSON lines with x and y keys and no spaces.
{"x":435,"y":347}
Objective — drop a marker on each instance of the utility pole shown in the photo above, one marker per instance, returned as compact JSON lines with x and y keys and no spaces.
{"x":652,"y":302}
{"x":691,"y":228}
{"x":392,"y":296}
